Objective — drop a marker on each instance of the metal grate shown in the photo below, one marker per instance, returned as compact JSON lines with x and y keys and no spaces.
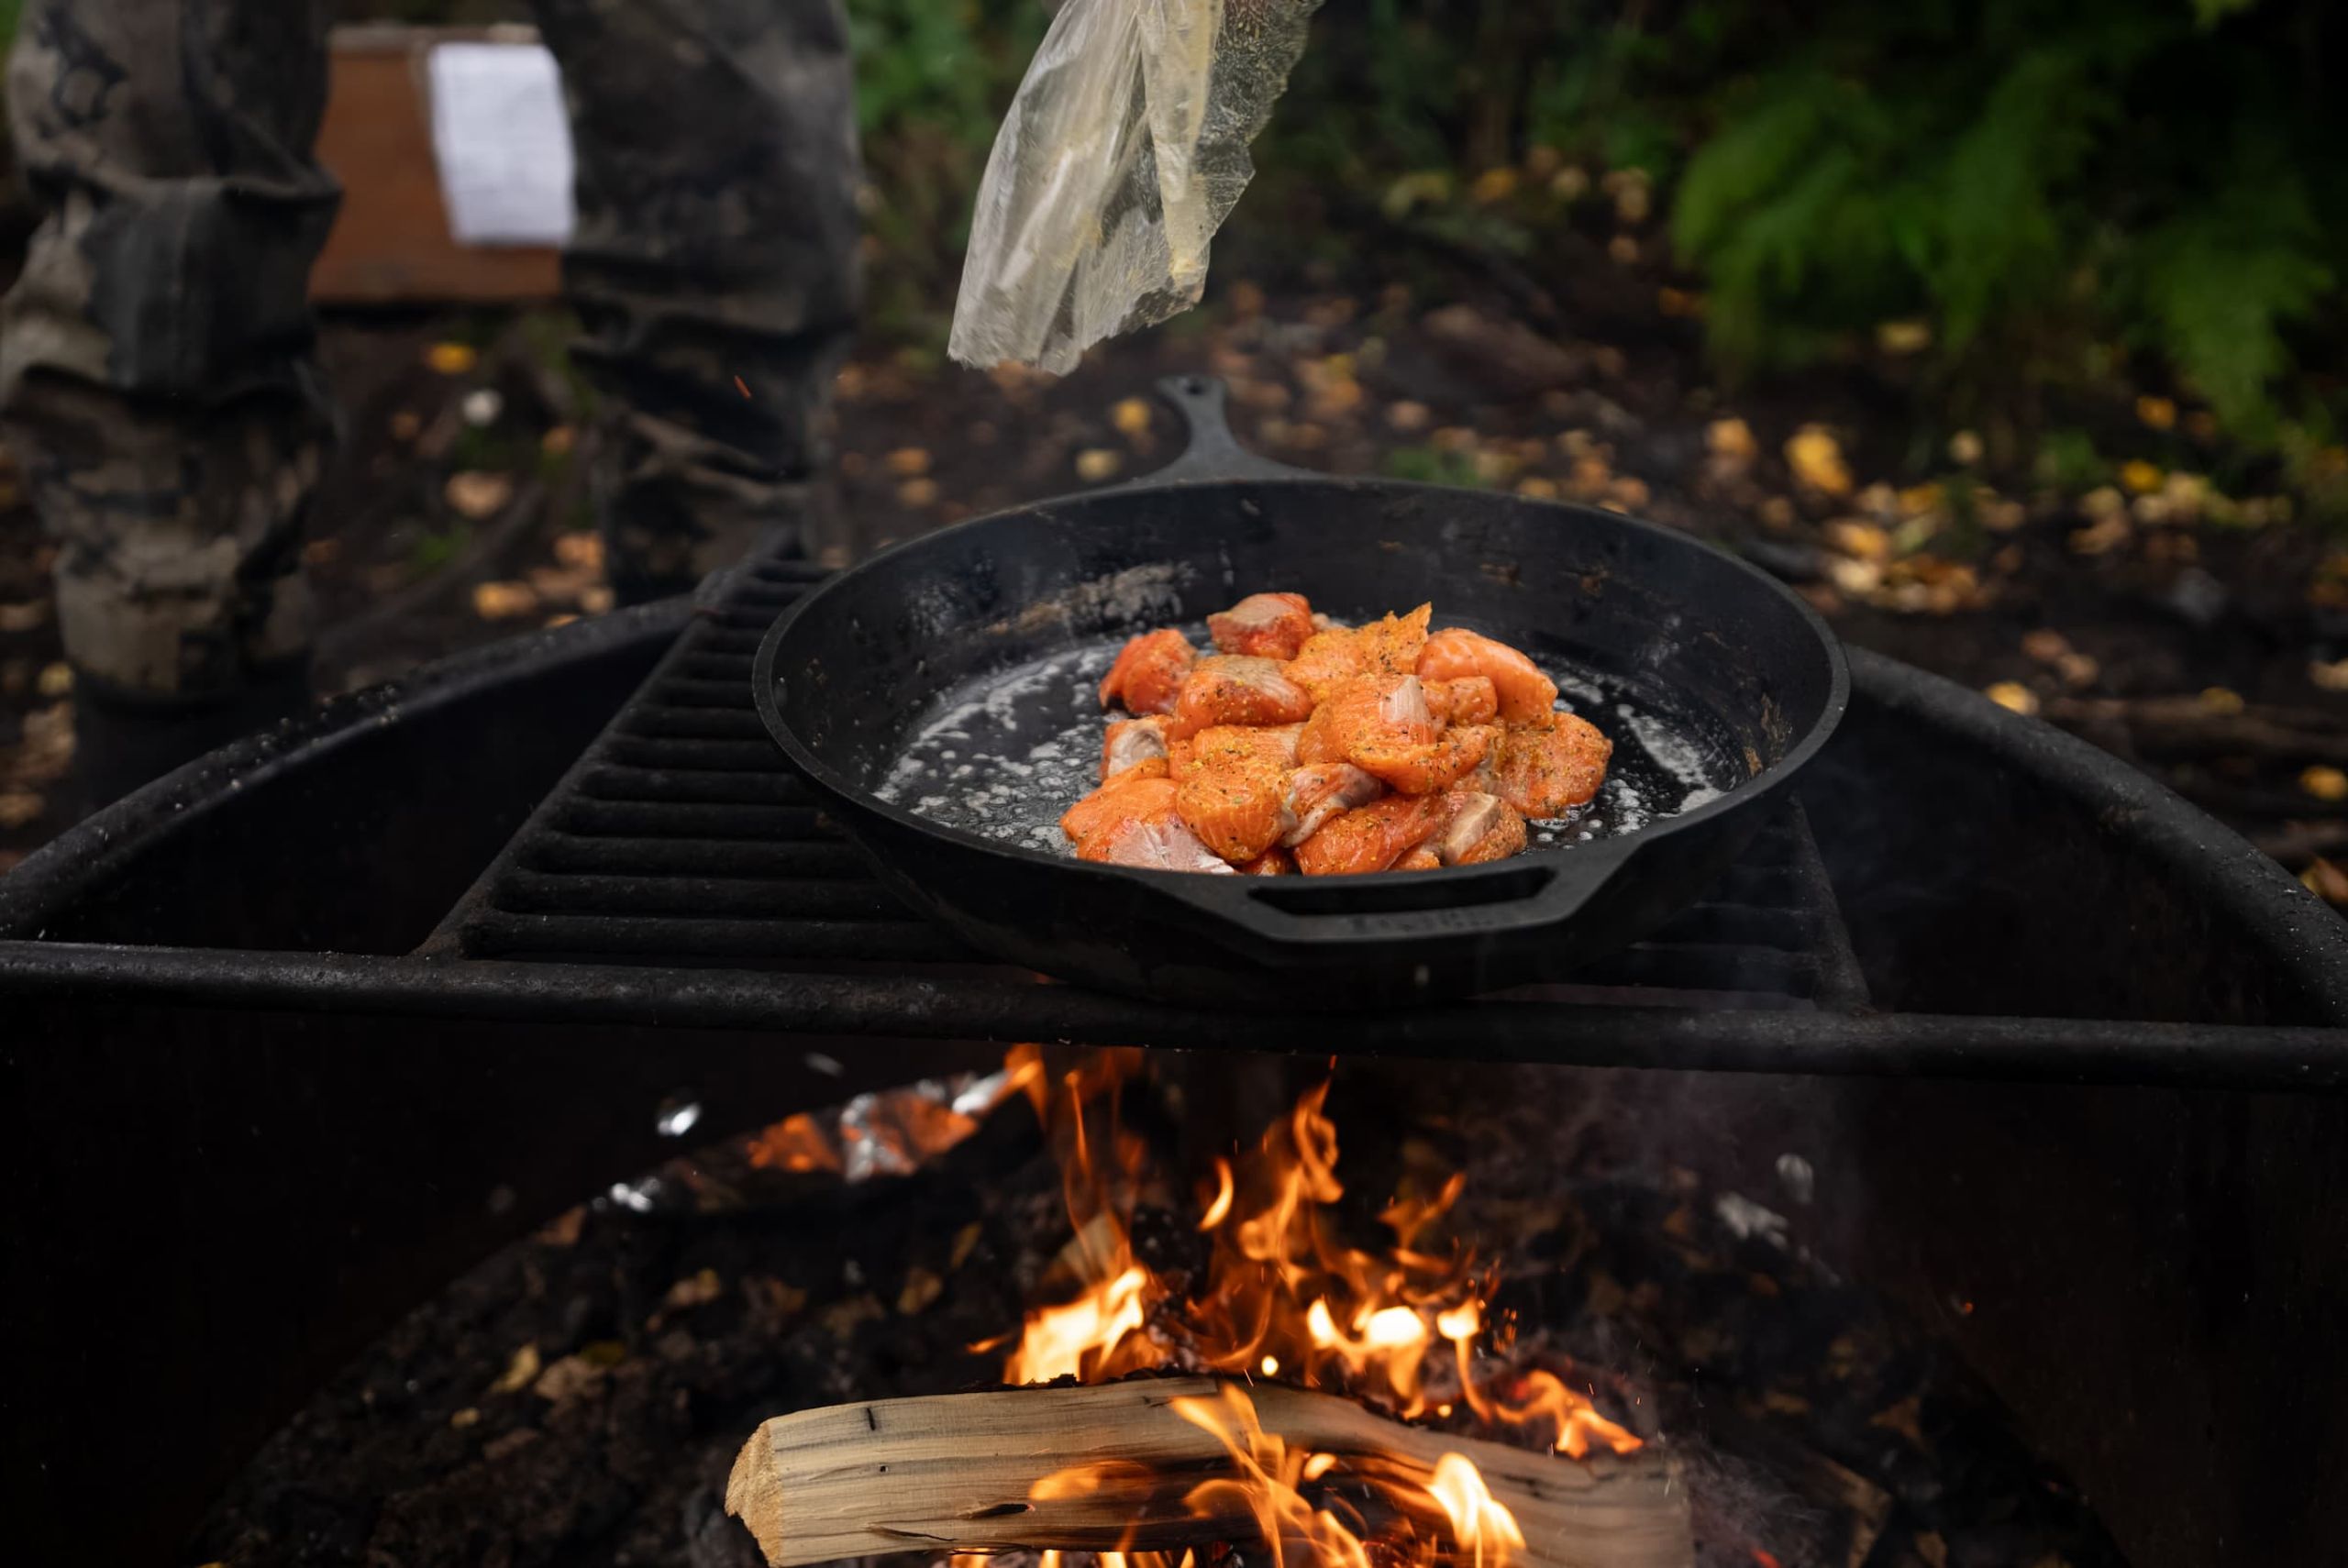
{"x":680,"y":839}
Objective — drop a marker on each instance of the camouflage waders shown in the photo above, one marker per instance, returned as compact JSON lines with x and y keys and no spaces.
{"x":156,"y":371}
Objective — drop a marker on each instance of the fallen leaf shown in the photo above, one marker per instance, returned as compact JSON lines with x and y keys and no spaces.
{"x":504,"y":1446}
{"x":567,"y":1379}
{"x":771,"y":1298}
{"x":2142,"y":476}
{"x":468,"y":1417}
{"x":1622,"y":251}
{"x":2046,"y":644}
{"x":1535,"y":488}
{"x":558,"y":440}
{"x":18,"y":807}
{"x":1731,"y":439}
{"x":2014,"y":696}
{"x":922,"y":1287}
{"x":477,"y":494}
{"x":1095,"y":465}
{"x":2156,"y":412}
{"x":598,"y":600}
{"x":2222,"y":699}
{"x":918,"y":492}
{"x":321,"y":552}
{"x":1861,"y":541}
{"x":579,"y":550}
{"x":1933,"y":1549}
{"x":1903,"y":337}
{"x":519,"y":1372}
{"x":504,"y":601}
{"x":1407,"y":418}
{"x":2326,"y":881}
{"x":841,"y":1317}
{"x":694,"y":1290}
{"x":908,"y":462}
{"x":406,"y":424}
{"x":1569,"y":183}
{"x":27,"y":616}
{"x":451,"y":359}
{"x":1905,"y":1417}
{"x":1965,"y":448}
{"x":555,"y":623}
{"x":2331,"y":677}
{"x":56,"y":680}
{"x":1131,"y":416}
{"x":1816,"y":458}
{"x":562,"y":1231}
{"x":2325,"y":782}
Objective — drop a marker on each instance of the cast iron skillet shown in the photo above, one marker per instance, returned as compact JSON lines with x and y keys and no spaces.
{"x":851,"y":674}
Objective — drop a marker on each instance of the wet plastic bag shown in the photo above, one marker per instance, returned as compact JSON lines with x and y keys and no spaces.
{"x":1124,"y":152}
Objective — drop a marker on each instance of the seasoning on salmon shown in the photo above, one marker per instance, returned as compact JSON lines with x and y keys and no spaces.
{"x":1274,"y":862}
{"x":1226,"y":689}
{"x":1263,"y":626}
{"x":1134,"y":744}
{"x":1232,"y":799}
{"x":1147,"y":676}
{"x":1372,"y":837}
{"x":1274,"y":743}
{"x":1468,"y":701}
{"x":1318,"y":791}
{"x":1456,"y":653}
{"x":1481,"y":827}
{"x":1546,"y":769}
{"x":1433,"y":767}
{"x":1385,"y":647}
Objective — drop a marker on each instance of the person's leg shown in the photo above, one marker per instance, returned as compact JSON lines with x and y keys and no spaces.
{"x":714,"y":267}
{"x":155,"y":371}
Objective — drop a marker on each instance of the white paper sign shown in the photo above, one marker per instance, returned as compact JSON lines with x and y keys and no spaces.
{"x":502,"y":142}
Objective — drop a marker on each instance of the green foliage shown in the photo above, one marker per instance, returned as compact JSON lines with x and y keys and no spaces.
{"x":1427,"y":466}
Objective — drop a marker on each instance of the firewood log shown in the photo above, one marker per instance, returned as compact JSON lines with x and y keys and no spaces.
{"x":959,"y":1472}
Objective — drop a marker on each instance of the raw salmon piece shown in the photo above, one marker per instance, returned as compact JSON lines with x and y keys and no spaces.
{"x":1432,"y":768}
{"x":1120,"y":800}
{"x":1371,"y":837}
{"x":1317,"y":791}
{"x":1364,"y":712}
{"x":1135,"y":743}
{"x":1468,"y":701}
{"x":1274,"y":862}
{"x":1548,"y":769}
{"x":1455,"y":654}
{"x":1481,"y":827}
{"x":1389,"y":648}
{"x":1158,"y":841}
{"x":1232,"y":800}
{"x":1225,"y":689}
{"x":1148,"y":673}
{"x":1265,"y":625}
{"x":1419,"y":859}
{"x":1270,"y":742}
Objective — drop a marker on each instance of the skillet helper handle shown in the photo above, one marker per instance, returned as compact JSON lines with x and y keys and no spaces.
{"x":1214,"y":453}
{"x":1304,"y":917}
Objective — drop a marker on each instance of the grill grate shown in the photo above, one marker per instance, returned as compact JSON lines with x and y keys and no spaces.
{"x":680,"y":839}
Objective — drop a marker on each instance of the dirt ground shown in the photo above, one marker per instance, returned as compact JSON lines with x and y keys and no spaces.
{"x":2202,"y":634}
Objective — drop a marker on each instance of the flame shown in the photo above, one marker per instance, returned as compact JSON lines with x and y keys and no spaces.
{"x":1284,"y":1295}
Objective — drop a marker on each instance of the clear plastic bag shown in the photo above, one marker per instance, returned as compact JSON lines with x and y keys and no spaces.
{"x":1124,"y":152}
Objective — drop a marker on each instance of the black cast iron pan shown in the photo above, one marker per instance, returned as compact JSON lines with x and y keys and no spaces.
{"x":938,"y":698}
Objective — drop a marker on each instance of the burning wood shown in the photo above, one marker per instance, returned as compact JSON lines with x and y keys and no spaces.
{"x":1174,"y":1465}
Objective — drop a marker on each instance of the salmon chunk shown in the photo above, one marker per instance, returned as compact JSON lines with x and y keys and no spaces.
{"x":1319,"y":790}
{"x":1232,"y":800}
{"x":1147,"y":676}
{"x":1481,"y":827}
{"x":1269,"y":743}
{"x":1456,"y":653}
{"x":1263,"y":626}
{"x":1371,"y":838}
{"x":1387,"y":648}
{"x":1225,"y":689}
{"x":1468,"y":701}
{"x":1431,"y":768}
{"x":1367,"y":711}
{"x":1548,"y":769}
{"x":1122,"y":798}
{"x":1134,"y":744}
{"x":1158,"y":841}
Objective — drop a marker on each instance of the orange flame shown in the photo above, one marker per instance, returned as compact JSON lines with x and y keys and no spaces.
{"x":1284,"y":1295}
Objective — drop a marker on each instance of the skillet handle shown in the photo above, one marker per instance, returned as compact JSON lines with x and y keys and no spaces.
{"x":1213,"y":452}
{"x":1299,"y":918}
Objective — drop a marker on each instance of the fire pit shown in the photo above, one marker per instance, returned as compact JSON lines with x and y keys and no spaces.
{"x":298,"y":1036}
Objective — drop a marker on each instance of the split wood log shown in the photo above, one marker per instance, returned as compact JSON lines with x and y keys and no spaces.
{"x":959,"y":1472}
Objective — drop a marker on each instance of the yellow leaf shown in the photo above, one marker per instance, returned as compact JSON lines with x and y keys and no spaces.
{"x":1903,"y":337}
{"x":1494,"y":185}
{"x":1131,"y":417}
{"x":451,"y":359}
{"x":2220,"y":699}
{"x":520,"y":1373}
{"x":2325,"y":782}
{"x":907,"y":462}
{"x":2014,"y":697}
{"x":921,"y":1288}
{"x":1096,"y":465}
{"x":2156,"y":412}
{"x":2142,"y":476}
{"x":1816,"y":458}
{"x":1731,"y":439}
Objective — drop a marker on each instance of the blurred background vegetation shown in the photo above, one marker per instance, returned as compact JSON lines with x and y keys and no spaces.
{"x":2018,"y":201}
